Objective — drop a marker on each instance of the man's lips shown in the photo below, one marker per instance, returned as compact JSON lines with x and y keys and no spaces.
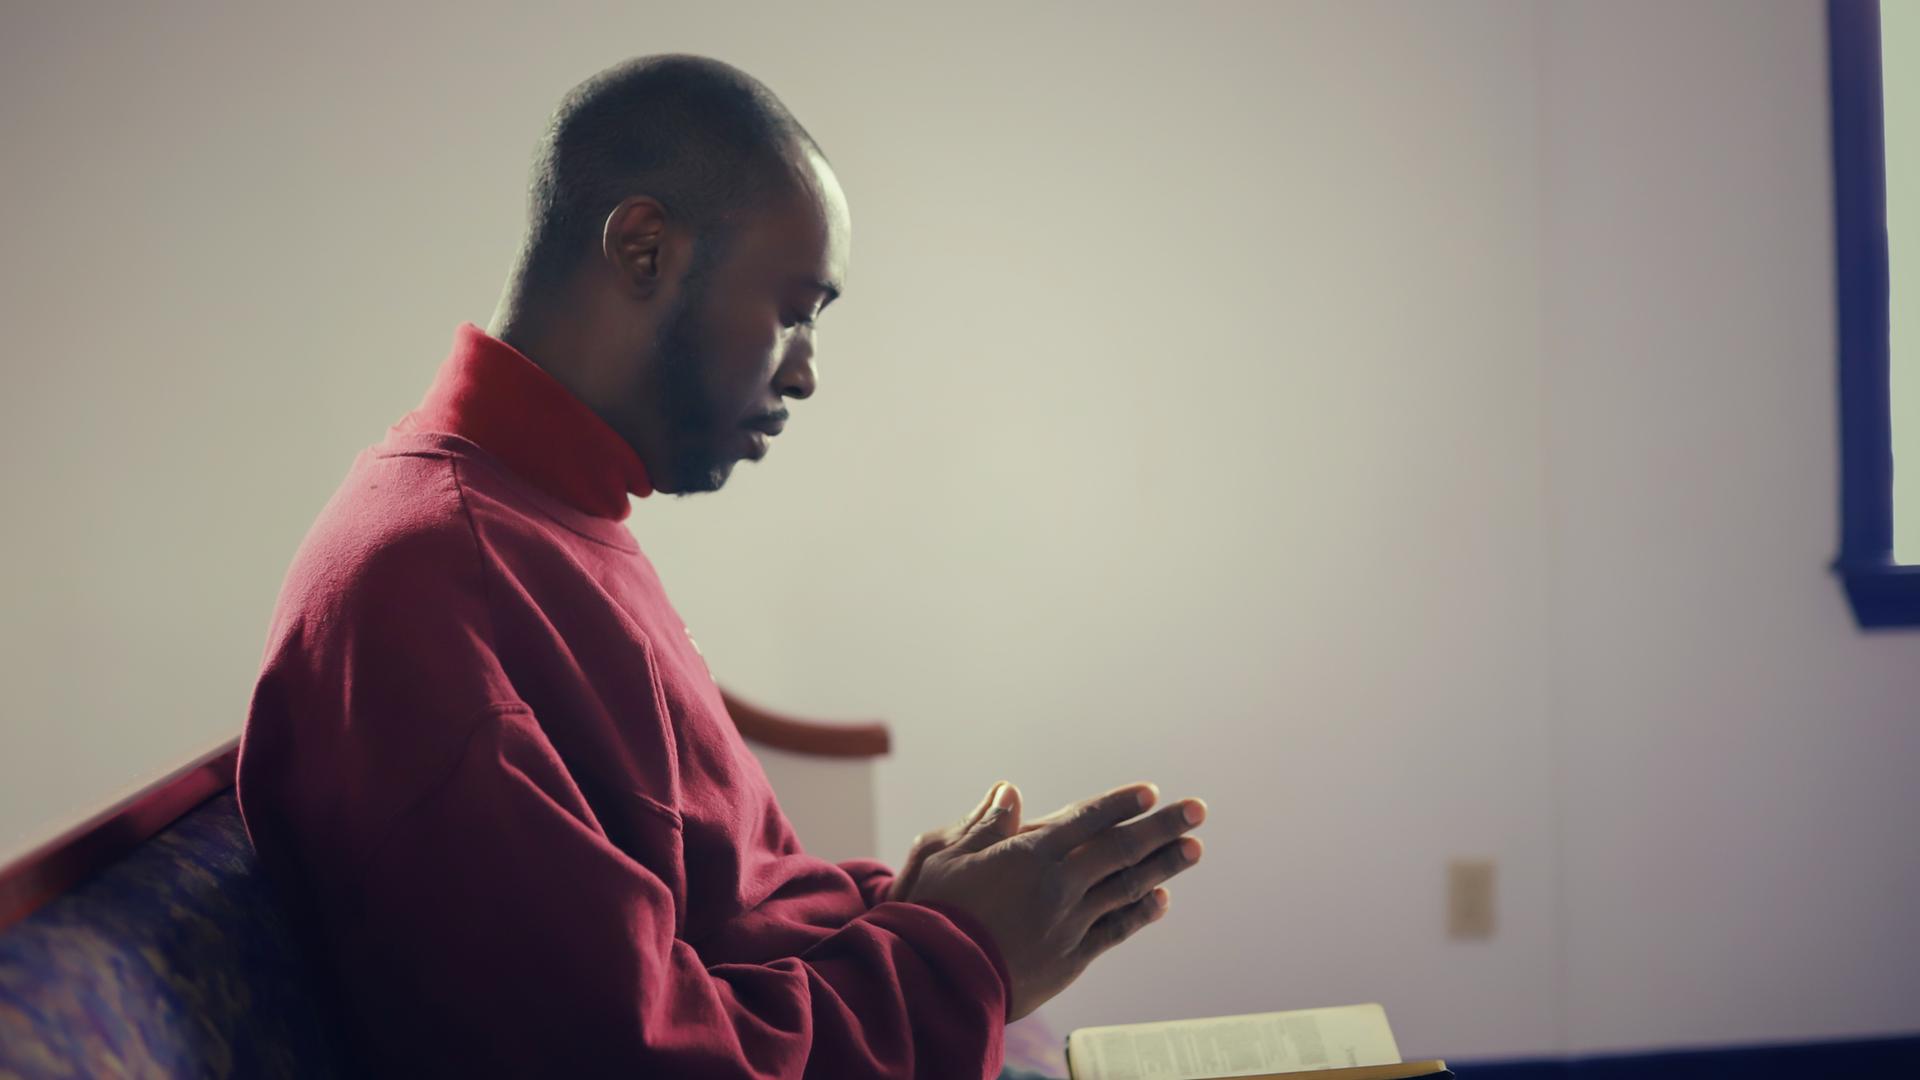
{"x":760,"y":432}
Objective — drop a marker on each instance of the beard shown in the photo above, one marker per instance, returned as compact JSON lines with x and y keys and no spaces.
{"x":689,"y":413}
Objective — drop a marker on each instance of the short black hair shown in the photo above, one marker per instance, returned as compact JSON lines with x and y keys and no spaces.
{"x":705,"y":138}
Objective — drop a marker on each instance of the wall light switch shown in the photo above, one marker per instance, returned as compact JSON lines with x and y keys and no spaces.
{"x":1470,"y":899}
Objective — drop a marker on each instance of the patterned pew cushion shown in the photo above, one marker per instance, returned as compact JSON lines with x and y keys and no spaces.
{"x":172,"y":962}
{"x":1034,"y":1049}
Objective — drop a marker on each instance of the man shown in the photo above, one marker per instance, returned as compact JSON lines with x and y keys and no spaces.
{"x":486,"y":765}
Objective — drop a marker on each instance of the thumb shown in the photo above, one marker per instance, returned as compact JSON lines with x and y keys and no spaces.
{"x":1001,"y":820}
{"x":986,"y":802}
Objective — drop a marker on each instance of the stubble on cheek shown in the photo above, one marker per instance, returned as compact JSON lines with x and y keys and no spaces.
{"x":687,"y":407}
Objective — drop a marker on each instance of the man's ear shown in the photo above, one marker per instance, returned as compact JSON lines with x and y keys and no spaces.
{"x":631,"y":240}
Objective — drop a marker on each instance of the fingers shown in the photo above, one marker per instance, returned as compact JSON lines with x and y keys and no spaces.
{"x":985,"y":802}
{"x":1001,"y":820}
{"x":1082,"y":822}
{"x":1117,"y":926}
{"x":1031,"y":824}
{"x":934,"y":840}
{"x":1126,"y":886}
{"x":1122,"y":847}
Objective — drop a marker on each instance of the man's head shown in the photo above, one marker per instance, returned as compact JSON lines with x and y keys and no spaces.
{"x":684,"y":232}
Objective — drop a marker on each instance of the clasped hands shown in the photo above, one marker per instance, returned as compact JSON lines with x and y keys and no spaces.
{"x":1057,"y":891}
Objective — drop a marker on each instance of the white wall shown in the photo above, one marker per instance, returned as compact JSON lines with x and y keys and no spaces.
{"x":1407,"y":426}
{"x":1737,"y":761}
{"x":1182,"y":423}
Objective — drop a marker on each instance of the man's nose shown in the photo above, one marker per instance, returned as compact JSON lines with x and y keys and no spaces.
{"x":797,"y":377}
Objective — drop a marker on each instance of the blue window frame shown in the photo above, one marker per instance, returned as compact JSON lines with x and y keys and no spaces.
{"x":1884,"y":590}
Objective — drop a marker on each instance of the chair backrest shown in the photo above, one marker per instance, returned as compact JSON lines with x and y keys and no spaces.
{"x":173,"y":961}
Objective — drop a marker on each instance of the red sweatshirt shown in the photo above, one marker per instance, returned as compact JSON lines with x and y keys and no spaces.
{"x":491,"y":774}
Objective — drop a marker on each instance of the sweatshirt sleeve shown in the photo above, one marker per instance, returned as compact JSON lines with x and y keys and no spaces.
{"x":465,"y":896}
{"x":871,"y":876}
{"x":504,"y":934}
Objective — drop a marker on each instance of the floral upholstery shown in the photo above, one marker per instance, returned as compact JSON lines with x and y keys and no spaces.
{"x":175,"y":962}
{"x":1034,"y":1048}
{"x":172,"y":962}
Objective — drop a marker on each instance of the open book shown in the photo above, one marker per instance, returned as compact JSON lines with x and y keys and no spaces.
{"x":1349,"y":1042}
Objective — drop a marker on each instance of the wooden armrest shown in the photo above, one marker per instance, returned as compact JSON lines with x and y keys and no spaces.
{"x":857,"y":740}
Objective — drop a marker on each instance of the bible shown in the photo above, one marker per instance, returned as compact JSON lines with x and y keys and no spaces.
{"x":1347,"y":1042}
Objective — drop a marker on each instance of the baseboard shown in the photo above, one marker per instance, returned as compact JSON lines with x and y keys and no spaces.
{"x":1899,"y":1056}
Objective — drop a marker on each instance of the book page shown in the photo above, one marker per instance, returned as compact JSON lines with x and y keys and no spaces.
{"x":1301,"y":1040}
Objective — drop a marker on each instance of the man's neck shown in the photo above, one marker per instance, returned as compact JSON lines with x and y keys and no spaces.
{"x":565,"y":344}
{"x":547,"y":338}
{"x":518,"y":323}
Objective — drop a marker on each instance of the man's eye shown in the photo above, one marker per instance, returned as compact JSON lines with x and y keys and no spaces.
{"x":796,"y":320}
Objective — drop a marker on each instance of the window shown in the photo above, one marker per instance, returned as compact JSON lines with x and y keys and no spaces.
{"x":1875,"y":83}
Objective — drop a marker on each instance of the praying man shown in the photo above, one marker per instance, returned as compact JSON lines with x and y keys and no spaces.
{"x":484,"y":763}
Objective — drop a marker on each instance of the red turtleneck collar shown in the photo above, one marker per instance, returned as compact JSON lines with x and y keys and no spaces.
{"x":489,"y":393}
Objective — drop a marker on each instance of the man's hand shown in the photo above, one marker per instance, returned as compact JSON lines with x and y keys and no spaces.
{"x":931,"y":841}
{"x":936,"y":839}
{"x":1060,"y":890}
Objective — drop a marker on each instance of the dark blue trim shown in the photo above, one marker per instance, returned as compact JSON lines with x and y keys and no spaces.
{"x":1882,"y":592}
{"x":1800,"y":1061}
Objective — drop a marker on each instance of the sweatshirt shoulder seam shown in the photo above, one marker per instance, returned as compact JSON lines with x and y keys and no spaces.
{"x":479,"y":554}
